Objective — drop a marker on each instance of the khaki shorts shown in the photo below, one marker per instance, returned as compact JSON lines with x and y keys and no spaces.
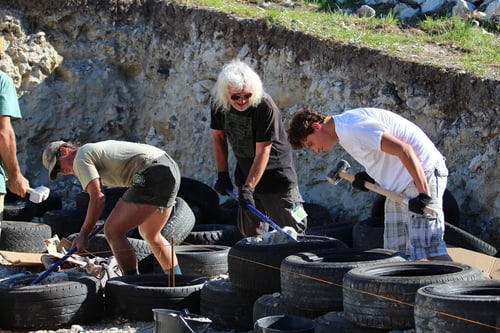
{"x":157,"y":185}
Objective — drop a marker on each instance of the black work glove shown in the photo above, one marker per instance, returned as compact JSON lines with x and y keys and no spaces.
{"x":223,"y":183}
{"x":418,"y":203}
{"x":246,"y":197}
{"x":359,"y":181}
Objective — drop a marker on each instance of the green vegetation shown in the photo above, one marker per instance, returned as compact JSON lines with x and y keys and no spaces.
{"x":449,"y":42}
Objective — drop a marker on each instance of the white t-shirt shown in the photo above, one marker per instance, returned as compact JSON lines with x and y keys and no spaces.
{"x":360,"y":134}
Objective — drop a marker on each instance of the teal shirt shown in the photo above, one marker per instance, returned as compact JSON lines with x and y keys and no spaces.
{"x":9,"y":106}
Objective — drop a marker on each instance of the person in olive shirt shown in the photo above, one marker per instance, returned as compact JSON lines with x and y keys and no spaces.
{"x":244,"y":116}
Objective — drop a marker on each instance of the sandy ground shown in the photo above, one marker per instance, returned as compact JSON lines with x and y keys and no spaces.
{"x":110,"y":327}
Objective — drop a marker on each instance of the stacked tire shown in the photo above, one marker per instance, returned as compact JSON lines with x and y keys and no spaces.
{"x":383,"y":295}
{"x":458,"y":307}
{"x":69,"y":298}
{"x":254,"y":270}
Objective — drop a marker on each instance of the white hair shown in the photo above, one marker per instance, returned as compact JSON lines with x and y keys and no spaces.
{"x":237,"y":74}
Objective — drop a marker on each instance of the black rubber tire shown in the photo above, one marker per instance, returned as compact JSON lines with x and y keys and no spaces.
{"x":64,"y":222}
{"x":451,"y":209}
{"x":458,"y":307}
{"x":369,"y":233}
{"x":255,"y":265}
{"x":339,"y":230}
{"x":112,"y":195}
{"x":21,"y":236}
{"x":82,"y":200}
{"x":383,"y":295}
{"x":226,"y":213}
{"x":53,"y":202}
{"x":134,"y":296}
{"x":199,"y":214}
{"x":269,"y":305}
{"x":378,"y":209}
{"x":317,"y":215}
{"x":273,"y":304}
{"x":214,"y":234}
{"x":99,"y":246}
{"x":180,"y":223}
{"x":20,"y":210}
{"x":202,"y":260}
{"x":313,"y":280}
{"x":199,"y":194}
{"x":453,"y":235}
{"x":11,"y":197}
{"x":47,"y":306}
{"x":284,"y":323}
{"x":336,"y":322}
{"x":228,"y":307}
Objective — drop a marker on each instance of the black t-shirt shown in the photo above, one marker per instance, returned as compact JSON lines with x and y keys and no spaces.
{"x":258,"y":124}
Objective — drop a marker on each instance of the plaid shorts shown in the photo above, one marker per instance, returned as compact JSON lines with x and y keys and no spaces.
{"x":418,"y":236}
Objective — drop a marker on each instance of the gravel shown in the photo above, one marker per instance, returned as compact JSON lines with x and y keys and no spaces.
{"x":110,"y":327}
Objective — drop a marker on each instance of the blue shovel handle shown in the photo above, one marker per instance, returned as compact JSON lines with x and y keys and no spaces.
{"x":264,"y":217}
{"x":52,"y":267}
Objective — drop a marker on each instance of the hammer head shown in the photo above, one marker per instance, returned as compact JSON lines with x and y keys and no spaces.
{"x":38,"y":194}
{"x":334,"y":175}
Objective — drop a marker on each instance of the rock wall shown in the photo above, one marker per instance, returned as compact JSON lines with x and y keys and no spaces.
{"x":142,"y":70}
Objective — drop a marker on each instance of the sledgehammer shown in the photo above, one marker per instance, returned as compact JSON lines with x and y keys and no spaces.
{"x":340,"y":172}
{"x":264,"y":217}
{"x":38,"y":194}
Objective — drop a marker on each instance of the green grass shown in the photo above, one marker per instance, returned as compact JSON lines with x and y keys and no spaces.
{"x":461,"y":44}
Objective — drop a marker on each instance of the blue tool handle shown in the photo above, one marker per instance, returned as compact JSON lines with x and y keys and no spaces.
{"x":262,"y":216}
{"x":52,"y":267}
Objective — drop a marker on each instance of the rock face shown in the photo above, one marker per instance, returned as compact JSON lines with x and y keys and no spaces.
{"x":142,"y":70}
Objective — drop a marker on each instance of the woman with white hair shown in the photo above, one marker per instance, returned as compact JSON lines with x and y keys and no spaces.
{"x":246,"y":117}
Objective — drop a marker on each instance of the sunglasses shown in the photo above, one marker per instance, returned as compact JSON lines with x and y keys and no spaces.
{"x":57,"y":166}
{"x":237,"y":97}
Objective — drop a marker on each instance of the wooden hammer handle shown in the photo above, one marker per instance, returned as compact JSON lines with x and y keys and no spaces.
{"x":389,"y":194}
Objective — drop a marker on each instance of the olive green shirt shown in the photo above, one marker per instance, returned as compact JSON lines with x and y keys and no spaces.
{"x":114,"y":162}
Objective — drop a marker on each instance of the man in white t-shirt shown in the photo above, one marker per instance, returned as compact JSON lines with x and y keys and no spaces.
{"x":152,"y":178}
{"x":398,"y":156}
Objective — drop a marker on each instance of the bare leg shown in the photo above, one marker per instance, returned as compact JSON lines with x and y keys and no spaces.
{"x":124,"y":217}
{"x":150,"y":230}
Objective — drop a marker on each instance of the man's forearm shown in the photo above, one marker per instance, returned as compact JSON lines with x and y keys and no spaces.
{"x":8,"y":153}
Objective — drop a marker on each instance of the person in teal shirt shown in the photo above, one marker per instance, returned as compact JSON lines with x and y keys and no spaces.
{"x":11,"y":176}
